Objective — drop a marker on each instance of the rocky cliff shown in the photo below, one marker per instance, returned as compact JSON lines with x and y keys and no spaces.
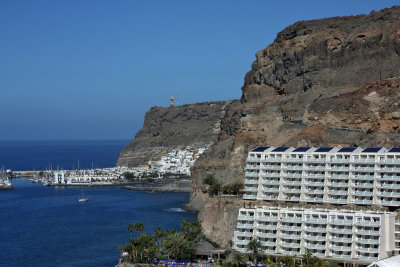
{"x":165,"y":129}
{"x":332,"y":81}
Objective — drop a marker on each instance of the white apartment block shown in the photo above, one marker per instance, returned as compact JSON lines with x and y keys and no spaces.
{"x":349,"y":175}
{"x":359,"y":237}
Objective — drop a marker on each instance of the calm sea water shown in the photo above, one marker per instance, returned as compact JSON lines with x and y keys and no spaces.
{"x":47,"y":226}
{"x":41,"y":155}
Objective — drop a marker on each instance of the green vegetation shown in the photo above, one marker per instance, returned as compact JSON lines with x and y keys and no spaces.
{"x":215,"y":187}
{"x":169,"y":244}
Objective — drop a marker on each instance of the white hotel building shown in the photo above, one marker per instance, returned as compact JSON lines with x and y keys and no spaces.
{"x":369,"y":176}
{"x":325,"y":175}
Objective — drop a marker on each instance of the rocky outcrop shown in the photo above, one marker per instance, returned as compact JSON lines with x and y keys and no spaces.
{"x":324,"y":82}
{"x":165,"y":129}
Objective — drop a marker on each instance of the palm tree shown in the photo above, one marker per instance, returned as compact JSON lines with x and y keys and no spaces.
{"x":158,"y":234}
{"x":269,"y":262}
{"x":254,"y":245}
{"x":130,"y":229}
{"x":237,"y":258}
{"x":176,"y":244}
{"x":185,"y":226}
{"x":138,"y":226}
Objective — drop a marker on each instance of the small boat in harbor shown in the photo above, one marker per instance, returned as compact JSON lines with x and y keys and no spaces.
{"x":82,"y":199}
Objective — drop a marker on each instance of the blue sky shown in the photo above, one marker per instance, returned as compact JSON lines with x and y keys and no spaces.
{"x":91,"y":69}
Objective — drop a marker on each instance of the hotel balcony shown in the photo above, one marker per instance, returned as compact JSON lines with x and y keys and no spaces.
{"x":338,"y":200}
{"x":390,"y":203}
{"x":367,"y":249}
{"x":267,"y":159}
{"x":271,"y":190}
{"x":245,"y":226}
{"x":367,"y":232}
{"x":338,"y":192}
{"x":314,"y":160}
{"x":315,"y":229}
{"x":316,"y":221}
{"x":314,"y":192}
{"x":291,"y":219}
{"x":314,"y":176}
{"x":292,"y":190}
{"x":293,"y":160}
{"x":292,"y":175}
{"x":341,"y":239}
{"x":389,"y":178}
{"x":244,"y":234}
{"x":314,"y":200}
{"x":390,"y":170}
{"x":389,"y":186}
{"x":253,"y":159}
{"x":252,"y":167}
{"x":289,"y":245}
{"x":267,"y":219}
{"x":341,"y":222}
{"x":290,"y":228}
{"x":250,"y":196}
{"x":242,"y":242}
{"x":270,"y":182}
{"x":285,"y":182}
{"x":315,"y":237}
{"x":251,"y":189}
{"x":340,"y":248}
{"x":267,"y":227}
{"x":291,"y":198}
{"x":363,"y":201}
{"x":245,"y":218}
{"x":312,"y":183}
{"x":333,"y":184}
{"x":268,"y":243}
{"x":363,"y":177}
{"x":314,"y":168}
{"x":364,"y":185}
{"x":336,"y":168}
{"x":251,"y":174}
{"x":286,"y":236}
{"x":341,"y":230}
{"x":367,"y":241}
{"x":368,"y":258}
{"x":364,"y":193}
{"x":340,"y":256}
{"x":252,"y":181}
{"x":290,"y":167}
{"x":363,"y":169}
{"x":364,"y":160}
{"x":333,"y":160}
{"x":315,"y":246}
{"x":339,"y":177}
{"x":266,"y":235}
{"x":391,"y":161}
{"x":270,"y":197}
{"x":271,"y":167}
{"x":317,"y":254}
{"x":271,"y":174}
{"x":290,"y":252}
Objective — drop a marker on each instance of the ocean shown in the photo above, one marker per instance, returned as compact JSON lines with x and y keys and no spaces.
{"x":59,"y":154}
{"x":47,"y":226}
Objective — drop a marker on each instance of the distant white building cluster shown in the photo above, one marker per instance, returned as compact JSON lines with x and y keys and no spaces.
{"x":175,"y":162}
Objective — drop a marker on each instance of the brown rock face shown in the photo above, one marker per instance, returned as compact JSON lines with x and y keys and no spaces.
{"x":165,"y":129}
{"x":327,"y":55}
{"x":324,"y":82}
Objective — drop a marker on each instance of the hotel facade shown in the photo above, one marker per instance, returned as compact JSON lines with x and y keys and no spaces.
{"x":339,"y":177}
